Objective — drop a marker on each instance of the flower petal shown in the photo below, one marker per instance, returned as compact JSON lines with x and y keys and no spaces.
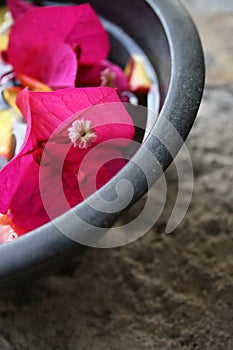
{"x":54,"y":64}
{"x":92,"y":75}
{"x":43,"y":26}
{"x":20,"y":184}
{"x":48,"y":110}
{"x":78,"y":186}
{"x":18,"y":8}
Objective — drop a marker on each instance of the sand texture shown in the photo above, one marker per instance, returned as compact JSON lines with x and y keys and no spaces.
{"x":163,"y":292}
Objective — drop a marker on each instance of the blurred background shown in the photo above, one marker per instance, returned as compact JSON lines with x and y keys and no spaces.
{"x":164,"y":292}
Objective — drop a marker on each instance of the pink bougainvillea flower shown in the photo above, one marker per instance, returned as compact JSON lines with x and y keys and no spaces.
{"x":103,"y":73}
{"x":18,"y":8}
{"x":44,"y":43}
{"x":45,"y":113}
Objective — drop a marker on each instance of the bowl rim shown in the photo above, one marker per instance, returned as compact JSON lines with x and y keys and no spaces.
{"x":180,"y":109}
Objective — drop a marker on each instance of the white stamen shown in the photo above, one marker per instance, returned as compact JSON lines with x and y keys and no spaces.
{"x":108,"y":78}
{"x":81,"y":134}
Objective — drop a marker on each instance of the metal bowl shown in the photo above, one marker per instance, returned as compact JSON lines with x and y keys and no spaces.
{"x":167,"y":36}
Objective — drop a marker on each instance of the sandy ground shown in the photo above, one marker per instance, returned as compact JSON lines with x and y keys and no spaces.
{"x":164,"y":292}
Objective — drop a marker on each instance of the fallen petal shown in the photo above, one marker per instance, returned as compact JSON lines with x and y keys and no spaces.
{"x":32,"y":84}
{"x":10,"y":94}
{"x":139,"y":82}
{"x":6,"y":136}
